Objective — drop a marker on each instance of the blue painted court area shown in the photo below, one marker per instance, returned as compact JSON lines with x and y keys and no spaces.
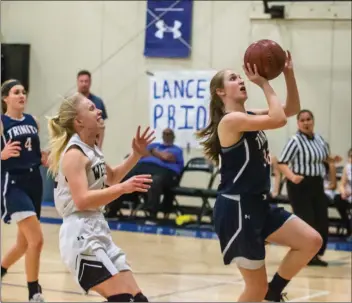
{"x":334,"y":243}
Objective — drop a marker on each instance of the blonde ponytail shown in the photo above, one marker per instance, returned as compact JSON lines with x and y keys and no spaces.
{"x":58,"y":141}
{"x":61,"y":129}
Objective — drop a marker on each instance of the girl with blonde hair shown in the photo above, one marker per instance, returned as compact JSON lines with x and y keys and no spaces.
{"x":80,"y":194}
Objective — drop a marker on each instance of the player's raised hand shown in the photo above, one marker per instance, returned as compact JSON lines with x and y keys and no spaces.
{"x":138,"y":183}
{"x":141,"y":141}
{"x":253,"y":75}
{"x":288,"y":63}
{"x":11,"y":150}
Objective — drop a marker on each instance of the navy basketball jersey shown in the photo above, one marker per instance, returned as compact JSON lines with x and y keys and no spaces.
{"x":245,"y":166}
{"x":24,"y":130}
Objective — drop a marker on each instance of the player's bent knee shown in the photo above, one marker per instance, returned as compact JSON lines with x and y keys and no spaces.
{"x":315,"y":241}
{"x":36,"y":243}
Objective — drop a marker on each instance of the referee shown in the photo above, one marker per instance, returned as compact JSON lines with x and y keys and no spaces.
{"x":302,"y":163}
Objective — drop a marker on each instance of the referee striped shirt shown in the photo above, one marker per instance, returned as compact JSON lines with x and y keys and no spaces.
{"x":305,"y":155}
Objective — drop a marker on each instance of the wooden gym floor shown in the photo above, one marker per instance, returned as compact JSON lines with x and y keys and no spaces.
{"x":175,"y":269}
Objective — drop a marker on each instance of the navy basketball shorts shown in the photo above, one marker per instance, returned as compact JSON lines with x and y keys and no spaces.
{"x":242,"y":224}
{"x":21,"y":195}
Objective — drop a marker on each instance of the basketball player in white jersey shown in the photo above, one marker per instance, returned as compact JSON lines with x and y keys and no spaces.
{"x":80,"y":194}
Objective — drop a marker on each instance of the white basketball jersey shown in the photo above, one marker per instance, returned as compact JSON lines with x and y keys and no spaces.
{"x":96,"y":174}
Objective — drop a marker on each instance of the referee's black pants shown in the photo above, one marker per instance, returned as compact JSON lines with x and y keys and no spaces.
{"x":309,"y":202}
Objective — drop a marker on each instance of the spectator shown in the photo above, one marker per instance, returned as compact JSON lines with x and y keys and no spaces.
{"x":330,"y":180}
{"x":343,"y":201}
{"x":84,"y":81}
{"x":164,"y":161}
{"x":306,"y":153}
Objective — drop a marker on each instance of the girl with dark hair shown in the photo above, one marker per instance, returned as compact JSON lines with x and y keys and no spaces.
{"x":21,"y":183}
{"x":303,"y":163}
{"x":244,"y":220}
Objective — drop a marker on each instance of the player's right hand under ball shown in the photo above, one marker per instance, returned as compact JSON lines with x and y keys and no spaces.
{"x":11,"y":149}
{"x":138,"y":183}
{"x":253,"y":75}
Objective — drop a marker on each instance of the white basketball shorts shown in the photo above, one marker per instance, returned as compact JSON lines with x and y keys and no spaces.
{"x":88,"y":250}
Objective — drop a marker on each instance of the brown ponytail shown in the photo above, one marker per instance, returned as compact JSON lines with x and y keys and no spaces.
{"x":3,"y":106}
{"x":211,"y":144}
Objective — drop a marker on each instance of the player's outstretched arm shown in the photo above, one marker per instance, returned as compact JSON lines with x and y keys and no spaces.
{"x":139,"y":148}
{"x":74,"y":168}
{"x":293,"y":103}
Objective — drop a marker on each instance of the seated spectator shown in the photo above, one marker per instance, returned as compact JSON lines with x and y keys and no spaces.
{"x":164,"y":161}
{"x":330,"y":182}
{"x":343,"y":201}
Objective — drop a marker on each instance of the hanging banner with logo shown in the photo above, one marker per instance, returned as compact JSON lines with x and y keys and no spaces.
{"x":168,"y":30}
{"x":179,"y":100}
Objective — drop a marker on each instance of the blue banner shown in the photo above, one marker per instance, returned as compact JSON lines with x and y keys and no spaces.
{"x":168,"y":30}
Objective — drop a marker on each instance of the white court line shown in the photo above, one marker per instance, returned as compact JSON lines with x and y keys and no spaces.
{"x":318,"y":294}
{"x":240,"y":280}
{"x":236,"y":282}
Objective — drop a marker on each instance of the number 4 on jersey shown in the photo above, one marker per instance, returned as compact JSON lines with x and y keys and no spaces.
{"x":28,"y":144}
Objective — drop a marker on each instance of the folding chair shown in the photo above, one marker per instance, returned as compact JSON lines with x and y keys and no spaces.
{"x":198,"y":164}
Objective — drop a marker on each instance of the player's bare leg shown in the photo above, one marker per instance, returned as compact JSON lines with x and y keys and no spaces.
{"x":30,"y":227}
{"x":15,"y":253}
{"x":304,"y":241}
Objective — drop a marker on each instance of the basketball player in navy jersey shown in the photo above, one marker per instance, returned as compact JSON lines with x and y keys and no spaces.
{"x":21,"y":183}
{"x":243,"y":219}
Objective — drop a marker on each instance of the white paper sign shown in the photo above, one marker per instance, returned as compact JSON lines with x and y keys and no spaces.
{"x":180,"y":100}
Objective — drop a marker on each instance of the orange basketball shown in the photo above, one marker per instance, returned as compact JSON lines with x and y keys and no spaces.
{"x":268,"y":56}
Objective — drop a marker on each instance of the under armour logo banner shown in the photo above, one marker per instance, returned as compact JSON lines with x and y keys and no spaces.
{"x":168,"y":31}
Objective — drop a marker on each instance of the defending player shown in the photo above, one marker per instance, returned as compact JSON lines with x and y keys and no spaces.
{"x":21,"y":183}
{"x":86,"y":244}
{"x":243,"y":218}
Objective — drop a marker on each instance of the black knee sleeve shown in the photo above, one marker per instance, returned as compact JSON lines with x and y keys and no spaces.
{"x":140,"y":298}
{"x":121,"y":298}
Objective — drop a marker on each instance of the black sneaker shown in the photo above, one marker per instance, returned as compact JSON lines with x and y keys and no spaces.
{"x":317,"y":262}
{"x":271,"y":298}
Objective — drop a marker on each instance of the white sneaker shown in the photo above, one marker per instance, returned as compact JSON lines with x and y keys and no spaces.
{"x":37,"y":298}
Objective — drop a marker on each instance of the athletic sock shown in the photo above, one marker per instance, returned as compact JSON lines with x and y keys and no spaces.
{"x":276,"y":286}
{"x":33,"y":288}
